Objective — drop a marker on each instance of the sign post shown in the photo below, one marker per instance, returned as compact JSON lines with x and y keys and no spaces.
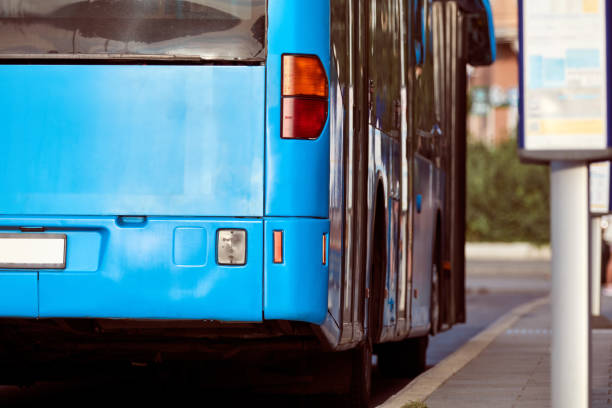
{"x":599,"y":203}
{"x":570,"y":285}
{"x":564,"y":109}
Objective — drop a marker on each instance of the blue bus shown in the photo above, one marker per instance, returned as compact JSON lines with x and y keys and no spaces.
{"x":236,"y":169}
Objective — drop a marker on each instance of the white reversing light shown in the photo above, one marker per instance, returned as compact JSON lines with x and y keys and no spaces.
{"x":231,"y":246}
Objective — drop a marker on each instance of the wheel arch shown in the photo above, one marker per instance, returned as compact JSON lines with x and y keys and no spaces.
{"x":377,"y":252}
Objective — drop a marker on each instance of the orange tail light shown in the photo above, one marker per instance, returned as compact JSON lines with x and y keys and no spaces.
{"x":305,"y":97}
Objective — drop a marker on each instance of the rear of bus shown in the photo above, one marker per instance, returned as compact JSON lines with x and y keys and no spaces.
{"x":164,"y":160}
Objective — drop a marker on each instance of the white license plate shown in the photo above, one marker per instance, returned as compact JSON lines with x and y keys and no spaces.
{"x":32,"y":251}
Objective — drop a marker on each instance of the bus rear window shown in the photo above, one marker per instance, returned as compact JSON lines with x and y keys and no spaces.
{"x":133,"y":29}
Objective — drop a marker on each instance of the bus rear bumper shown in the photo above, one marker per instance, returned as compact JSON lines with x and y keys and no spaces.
{"x":296,"y":288}
{"x":166,"y":268}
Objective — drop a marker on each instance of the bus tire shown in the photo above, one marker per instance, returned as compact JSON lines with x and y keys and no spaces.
{"x":435,"y":307}
{"x":361,"y":376}
{"x":361,"y":358}
{"x":403,"y":359}
{"x":435,"y":299}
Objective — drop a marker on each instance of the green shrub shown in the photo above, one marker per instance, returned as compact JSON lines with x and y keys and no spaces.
{"x":506,"y":201}
{"x":415,"y":405}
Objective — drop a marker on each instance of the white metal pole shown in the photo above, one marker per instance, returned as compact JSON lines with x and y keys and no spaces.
{"x":570,"y":285}
{"x":596,"y":266}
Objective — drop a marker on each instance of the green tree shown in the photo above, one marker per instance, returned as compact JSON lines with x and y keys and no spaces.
{"x":506,"y":200}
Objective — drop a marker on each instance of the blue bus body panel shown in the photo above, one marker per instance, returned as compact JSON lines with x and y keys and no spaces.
{"x":132,"y":140}
{"x":165,"y":268}
{"x":489,"y":11}
{"x":297,"y":171}
{"x":296,"y":289}
{"x":18,"y":294}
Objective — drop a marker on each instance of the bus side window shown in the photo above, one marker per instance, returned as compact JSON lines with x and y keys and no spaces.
{"x":420,"y":31}
{"x":384,"y":72}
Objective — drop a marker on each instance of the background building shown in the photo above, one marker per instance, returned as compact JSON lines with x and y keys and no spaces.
{"x":494,"y":89}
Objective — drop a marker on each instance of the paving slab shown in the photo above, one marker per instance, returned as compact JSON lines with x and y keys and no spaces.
{"x":508,"y":362}
{"x":514,"y":369}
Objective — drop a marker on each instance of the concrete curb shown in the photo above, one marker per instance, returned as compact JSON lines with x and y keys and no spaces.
{"x":516,"y":251}
{"x":424,"y":385}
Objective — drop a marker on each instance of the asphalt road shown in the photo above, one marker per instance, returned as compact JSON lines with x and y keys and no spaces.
{"x":490,"y":295}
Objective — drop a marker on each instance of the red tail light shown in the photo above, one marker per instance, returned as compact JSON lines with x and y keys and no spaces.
{"x":305,"y":97}
{"x":303,"y":118}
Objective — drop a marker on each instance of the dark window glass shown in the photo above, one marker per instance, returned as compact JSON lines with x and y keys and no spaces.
{"x":385,"y":66}
{"x":419,"y":32}
{"x":207,"y":29}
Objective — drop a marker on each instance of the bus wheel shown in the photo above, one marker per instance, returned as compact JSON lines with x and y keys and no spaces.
{"x":436,"y":285}
{"x":361,"y":376}
{"x":403,"y":359}
{"x":435,"y":298}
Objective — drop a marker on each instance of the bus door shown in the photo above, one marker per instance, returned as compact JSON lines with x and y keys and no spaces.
{"x":455,"y":198}
{"x":355,"y":170}
{"x":359,"y":174}
{"x":468,"y":38}
{"x":385,"y":83}
{"x":427,"y":132}
{"x":349,"y":168}
{"x":406,"y":174}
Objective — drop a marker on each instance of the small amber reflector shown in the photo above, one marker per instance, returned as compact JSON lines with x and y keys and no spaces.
{"x":304,"y":76}
{"x":278,"y":246}
{"x":324,"y":249}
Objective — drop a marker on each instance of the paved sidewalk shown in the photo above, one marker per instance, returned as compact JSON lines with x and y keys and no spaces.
{"x":514,"y":370}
